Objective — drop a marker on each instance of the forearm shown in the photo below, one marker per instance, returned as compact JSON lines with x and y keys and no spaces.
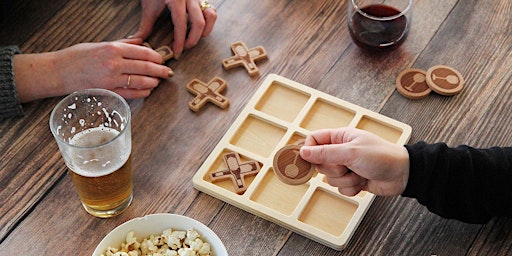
{"x":36,"y":76}
{"x":464,"y":183}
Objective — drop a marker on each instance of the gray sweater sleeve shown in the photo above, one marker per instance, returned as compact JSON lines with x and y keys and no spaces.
{"x":10,"y":105}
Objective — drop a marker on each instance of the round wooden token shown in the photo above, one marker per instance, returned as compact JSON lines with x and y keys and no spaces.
{"x":290,"y":168}
{"x":411,"y":83}
{"x":444,"y":80}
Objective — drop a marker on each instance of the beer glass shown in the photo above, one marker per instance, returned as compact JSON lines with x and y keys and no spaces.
{"x":92,"y":130}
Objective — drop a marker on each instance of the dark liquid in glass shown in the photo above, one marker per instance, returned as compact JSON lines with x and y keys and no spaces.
{"x":375,"y":35}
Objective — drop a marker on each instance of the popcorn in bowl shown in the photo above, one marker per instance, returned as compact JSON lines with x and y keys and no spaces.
{"x":169,"y":243}
{"x":181,"y":236}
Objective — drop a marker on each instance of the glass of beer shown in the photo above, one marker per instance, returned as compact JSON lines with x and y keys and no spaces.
{"x":92,"y":130}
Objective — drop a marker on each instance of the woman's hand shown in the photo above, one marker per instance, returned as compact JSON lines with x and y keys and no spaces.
{"x":202,"y":21}
{"x":124,"y":66}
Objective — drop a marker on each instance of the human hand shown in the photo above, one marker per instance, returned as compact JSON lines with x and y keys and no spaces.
{"x":202,"y":21}
{"x":123,"y":66}
{"x":355,"y":160}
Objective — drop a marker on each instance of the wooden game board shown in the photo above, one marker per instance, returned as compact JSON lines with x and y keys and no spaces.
{"x":282,"y":112}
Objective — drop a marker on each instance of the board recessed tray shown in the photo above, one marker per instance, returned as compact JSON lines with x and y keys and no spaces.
{"x":280,"y":113}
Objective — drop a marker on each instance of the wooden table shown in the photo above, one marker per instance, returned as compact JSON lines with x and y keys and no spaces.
{"x":307,"y":41}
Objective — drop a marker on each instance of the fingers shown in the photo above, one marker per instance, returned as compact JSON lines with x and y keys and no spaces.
{"x":327,"y":136}
{"x":146,"y":68}
{"x":210,"y":17}
{"x":352,"y":190}
{"x":201,"y":23}
{"x":179,"y":19}
{"x":150,"y":11}
{"x":197,"y":22}
{"x":330,"y":153}
{"x":137,"y":52}
{"x":137,"y":82}
{"x":347,"y":182}
{"x":132,"y":40}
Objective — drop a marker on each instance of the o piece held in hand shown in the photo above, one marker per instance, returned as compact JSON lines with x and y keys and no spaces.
{"x":245,"y":57}
{"x":207,"y":92}
{"x":290,"y":168}
{"x":236,"y":171}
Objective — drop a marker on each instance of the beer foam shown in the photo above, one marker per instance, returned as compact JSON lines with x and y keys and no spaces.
{"x":99,"y":161}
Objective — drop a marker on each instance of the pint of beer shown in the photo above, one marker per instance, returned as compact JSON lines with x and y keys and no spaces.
{"x":92,"y":129}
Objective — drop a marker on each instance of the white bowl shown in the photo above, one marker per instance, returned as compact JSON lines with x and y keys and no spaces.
{"x":154,"y":224}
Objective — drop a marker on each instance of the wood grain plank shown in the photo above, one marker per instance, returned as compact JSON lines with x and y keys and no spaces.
{"x":308,"y":42}
{"x":21,"y":19}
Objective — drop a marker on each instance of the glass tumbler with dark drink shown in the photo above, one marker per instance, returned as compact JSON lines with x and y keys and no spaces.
{"x":92,"y":130}
{"x":379,"y":26}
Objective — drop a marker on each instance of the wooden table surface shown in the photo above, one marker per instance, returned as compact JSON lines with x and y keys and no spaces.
{"x":307,"y":41}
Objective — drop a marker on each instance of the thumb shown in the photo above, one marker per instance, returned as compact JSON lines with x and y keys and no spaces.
{"x":322,"y":154}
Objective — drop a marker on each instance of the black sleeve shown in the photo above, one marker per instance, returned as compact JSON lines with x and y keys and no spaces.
{"x":464,"y":183}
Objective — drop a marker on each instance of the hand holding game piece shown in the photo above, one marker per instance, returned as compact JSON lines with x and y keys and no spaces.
{"x":207,"y":92}
{"x":122,"y":66}
{"x":236,"y":171}
{"x":201,"y":15}
{"x":245,"y":57}
{"x":290,"y":168}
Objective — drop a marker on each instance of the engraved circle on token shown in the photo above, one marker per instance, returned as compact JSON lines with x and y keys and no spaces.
{"x":444,"y":80}
{"x":411,"y":83}
{"x":290,"y":168}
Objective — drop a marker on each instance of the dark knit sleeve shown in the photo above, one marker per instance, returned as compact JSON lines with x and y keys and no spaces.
{"x":464,"y":183}
{"x":10,"y":104}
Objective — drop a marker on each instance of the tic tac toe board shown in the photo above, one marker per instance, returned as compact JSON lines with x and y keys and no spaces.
{"x":283,"y":112}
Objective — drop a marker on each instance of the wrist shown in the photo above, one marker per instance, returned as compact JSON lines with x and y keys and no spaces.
{"x":36,"y":77}
{"x":403,"y":168}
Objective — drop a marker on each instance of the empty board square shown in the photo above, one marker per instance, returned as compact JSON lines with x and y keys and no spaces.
{"x":328,"y":212}
{"x":385,"y":131}
{"x":272,"y":193}
{"x":219,"y":165}
{"x":282,"y":102}
{"x":326,"y":115}
{"x":297,"y":138}
{"x":258,"y":136}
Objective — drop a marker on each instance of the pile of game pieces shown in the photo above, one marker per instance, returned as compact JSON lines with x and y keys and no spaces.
{"x":211,"y":92}
{"x":416,"y":83}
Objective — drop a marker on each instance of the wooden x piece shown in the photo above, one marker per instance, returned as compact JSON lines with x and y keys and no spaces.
{"x":164,"y":51}
{"x":236,"y":171}
{"x":245,"y":57}
{"x":207,"y":92}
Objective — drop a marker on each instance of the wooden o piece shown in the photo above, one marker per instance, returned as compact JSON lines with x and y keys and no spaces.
{"x":207,"y":92}
{"x":290,"y":168}
{"x":411,"y":83}
{"x":245,"y":57}
{"x":444,"y":80}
